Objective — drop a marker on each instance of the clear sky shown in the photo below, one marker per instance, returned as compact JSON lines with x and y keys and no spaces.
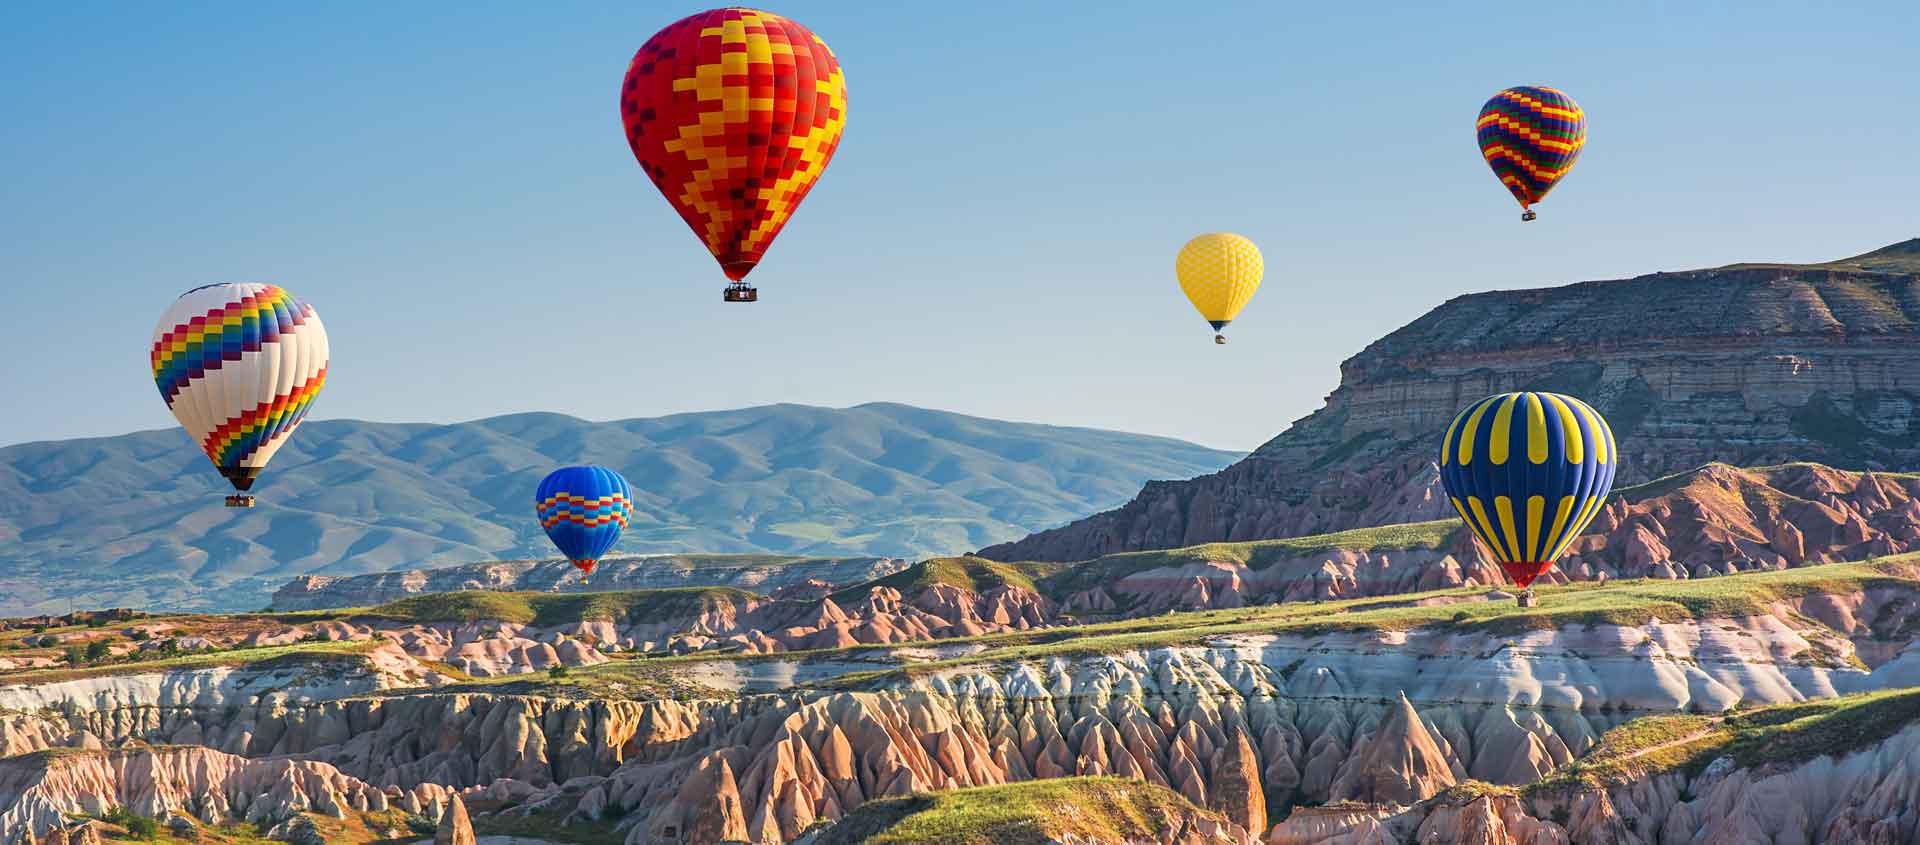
{"x":449,"y":185}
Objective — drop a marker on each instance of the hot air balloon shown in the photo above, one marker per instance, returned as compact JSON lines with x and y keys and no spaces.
{"x":1527,"y":472}
{"x":239,"y":365}
{"x":1531,"y":135}
{"x":583,"y":510}
{"x":734,"y":113}
{"x":1219,"y":271}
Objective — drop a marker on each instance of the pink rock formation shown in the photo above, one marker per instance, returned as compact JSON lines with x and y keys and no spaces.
{"x":455,"y":828}
{"x":1399,"y":764}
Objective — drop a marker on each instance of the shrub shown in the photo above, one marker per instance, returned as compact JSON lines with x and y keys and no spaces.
{"x":422,"y":825}
{"x":141,"y":827}
{"x":557,"y":672}
{"x":75,"y":655}
{"x":141,"y":635}
{"x":97,"y":651}
{"x":138,"y":827}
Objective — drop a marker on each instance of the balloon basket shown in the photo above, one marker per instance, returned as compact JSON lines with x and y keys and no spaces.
{"x":739,"y":292}
{"x":1219,"y":339}
{"x":1527,"y":215}
{"x":1528,"y":599}
{"x":239,"y":501}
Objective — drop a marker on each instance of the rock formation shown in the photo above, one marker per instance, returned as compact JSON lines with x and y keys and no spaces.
{"x":1709,"y":521}
{"x":1748,"y":365}
{"x":39,"y":792}
{"x":455,"y":828}
{"x":1866,"y":797}
{"x":1248,"y":725}
{"x":1399,"y":764}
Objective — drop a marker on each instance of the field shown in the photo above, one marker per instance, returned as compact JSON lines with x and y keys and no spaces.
{"x":1100,"y":809}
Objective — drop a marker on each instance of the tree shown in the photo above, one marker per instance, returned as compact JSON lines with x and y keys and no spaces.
{"x":76,"y":655}
{"x":97,"y":651}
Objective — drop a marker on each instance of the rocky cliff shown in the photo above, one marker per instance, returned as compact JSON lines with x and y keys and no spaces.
{"x":1838,"y":772}
{"x":1247,"y":714}
{"x":1749,"y":365}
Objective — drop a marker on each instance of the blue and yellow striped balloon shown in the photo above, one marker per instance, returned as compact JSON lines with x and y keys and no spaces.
{"x":1527,"y":472}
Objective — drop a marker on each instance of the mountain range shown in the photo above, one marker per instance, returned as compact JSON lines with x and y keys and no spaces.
{"x":137,"y":520}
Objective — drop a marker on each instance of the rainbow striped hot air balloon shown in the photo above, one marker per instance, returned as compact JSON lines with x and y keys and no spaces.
{"x":239,"y":365}
{"x":1527,"y":472}
{"x":583,"y":510}
{"x":1531,"y":136}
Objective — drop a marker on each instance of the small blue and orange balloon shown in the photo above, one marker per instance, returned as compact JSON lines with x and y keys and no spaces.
{"x":583,"y":510}
{"x":1531,"y":136}
{"x":1527,"y":472}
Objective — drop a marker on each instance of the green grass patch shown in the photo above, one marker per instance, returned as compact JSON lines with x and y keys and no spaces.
{"x":620,"y":680}
{"x":297,"y":654}
{"x":1785,"y":734}
{"x":1101,"y":809}
{"x":1635,"y":602}
{"x":549,"y":609}
{"x":1253,"y":554}
{"x":967,"y":573}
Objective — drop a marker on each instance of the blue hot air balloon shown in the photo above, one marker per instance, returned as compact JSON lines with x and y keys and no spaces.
{"x":583,"y":510}
{"x":1527,"y":472}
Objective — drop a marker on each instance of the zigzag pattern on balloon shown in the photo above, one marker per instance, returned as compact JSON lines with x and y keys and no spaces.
{"x":239,"y":437}
{"x":1531,"y":136}
{"x":613,"y":509}
{"x":734,"y":113}
{"x":222,"y":334}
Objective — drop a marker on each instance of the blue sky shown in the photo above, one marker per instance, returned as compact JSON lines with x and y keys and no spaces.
{"x":449,"y":186}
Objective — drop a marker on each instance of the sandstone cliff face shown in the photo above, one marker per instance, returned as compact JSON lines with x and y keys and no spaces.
{"x":1748,"y":365}
{"x":754,"y":573}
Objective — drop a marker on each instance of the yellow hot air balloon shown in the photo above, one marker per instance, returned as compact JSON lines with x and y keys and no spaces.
{"x":1219,"y":271}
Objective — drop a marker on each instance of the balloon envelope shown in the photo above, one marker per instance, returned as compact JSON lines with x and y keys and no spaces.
{"x":239,"y":365}
{"x":1527,"y":472}
{"x":1219,"y":272}
{"x":1531,"y":136}
{"x":734,"y":113}
{"x":583,"y":509}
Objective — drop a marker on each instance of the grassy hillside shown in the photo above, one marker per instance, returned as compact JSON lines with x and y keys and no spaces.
{"x":1783,"y":734}
{"x":966,"y":572}
{"x":347,"y":497}
{"x":1633,"y":602}
{"x":1253,"y":554}
{"x":548,"y":609}
{"x":1100,"y":809}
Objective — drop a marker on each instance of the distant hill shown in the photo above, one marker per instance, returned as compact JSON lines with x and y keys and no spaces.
{"x":137,"y":520}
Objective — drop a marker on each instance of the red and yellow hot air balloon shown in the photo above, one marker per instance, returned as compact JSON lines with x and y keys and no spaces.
{"x":734,"y":113}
